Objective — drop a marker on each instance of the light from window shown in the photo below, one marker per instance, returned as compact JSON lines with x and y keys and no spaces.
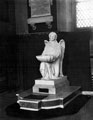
{"x":84,"y":13}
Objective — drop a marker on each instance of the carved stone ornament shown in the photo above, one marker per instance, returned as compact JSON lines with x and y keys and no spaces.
{"x":40,"y":13}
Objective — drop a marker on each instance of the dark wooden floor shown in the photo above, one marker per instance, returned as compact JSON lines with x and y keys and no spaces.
{"x":80,"y":109}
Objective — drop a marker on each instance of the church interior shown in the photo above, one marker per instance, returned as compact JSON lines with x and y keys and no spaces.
{"x":24,"y":25}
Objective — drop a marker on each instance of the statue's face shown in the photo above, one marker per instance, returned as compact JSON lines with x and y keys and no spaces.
{"x":52,"y":37}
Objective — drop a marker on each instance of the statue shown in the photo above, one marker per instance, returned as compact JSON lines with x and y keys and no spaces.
{"x":52,"y":58}
{"x":52,"y":90}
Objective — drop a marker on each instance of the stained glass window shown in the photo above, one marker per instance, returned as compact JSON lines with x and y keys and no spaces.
{"x":84,"y":13}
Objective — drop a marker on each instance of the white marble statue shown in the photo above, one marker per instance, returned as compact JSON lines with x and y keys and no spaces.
{"x":52,"y":58}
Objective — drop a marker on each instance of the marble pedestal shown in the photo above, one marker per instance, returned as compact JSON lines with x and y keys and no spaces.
{"x":48,"y":95}
{"x":36,"y":101}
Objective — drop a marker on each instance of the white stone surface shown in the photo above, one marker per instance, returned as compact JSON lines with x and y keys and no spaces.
{"x":52,"y":58}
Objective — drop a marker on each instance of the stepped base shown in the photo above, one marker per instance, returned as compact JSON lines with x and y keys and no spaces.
{"x":36,"y":101}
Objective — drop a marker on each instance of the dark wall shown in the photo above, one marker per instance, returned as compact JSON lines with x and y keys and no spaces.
{"x":77,"y":59}
{"x":8,"y":62}
{"x":29,"y":46}
{"x":7,"y":17}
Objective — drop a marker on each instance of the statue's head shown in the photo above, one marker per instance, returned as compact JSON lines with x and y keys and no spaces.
{"x":52,"y":36}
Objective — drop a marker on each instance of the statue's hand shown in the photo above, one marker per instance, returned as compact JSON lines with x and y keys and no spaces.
{"x":45,"y":41}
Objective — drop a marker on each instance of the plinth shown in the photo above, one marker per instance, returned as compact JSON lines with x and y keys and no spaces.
{"x":48,"y":94}
{"x":52,"y":86}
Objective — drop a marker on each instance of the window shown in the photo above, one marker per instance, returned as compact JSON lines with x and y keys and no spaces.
{"x":84,"y":13}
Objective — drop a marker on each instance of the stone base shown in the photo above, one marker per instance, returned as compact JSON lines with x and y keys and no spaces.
{"x":52,"y":86}
{"x":48,"y":94}
{"x":37,"y":101}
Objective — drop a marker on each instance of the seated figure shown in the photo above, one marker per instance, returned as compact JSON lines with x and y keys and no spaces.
{"x":52,"y":58}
